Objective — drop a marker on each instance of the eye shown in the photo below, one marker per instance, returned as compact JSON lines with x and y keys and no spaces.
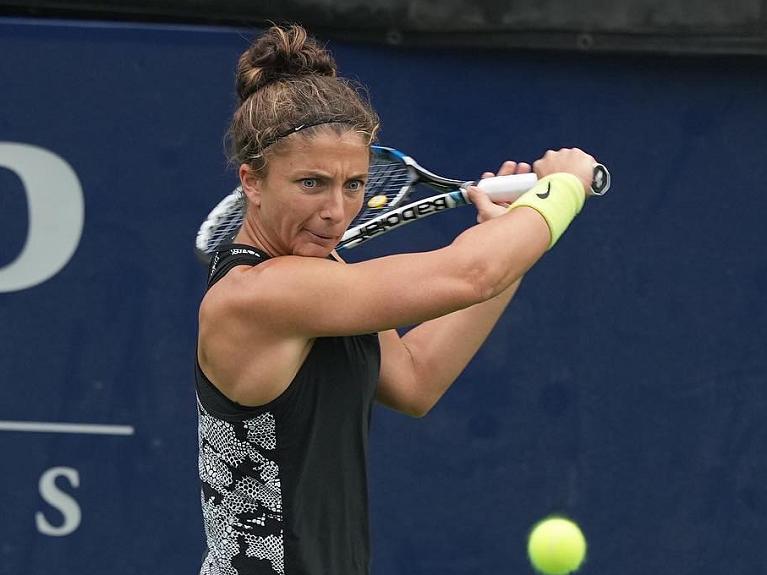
{"x":356,"y":185}
{"x":309,"y":183}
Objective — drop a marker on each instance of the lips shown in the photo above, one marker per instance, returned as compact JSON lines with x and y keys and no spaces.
{"x":323,"y":238}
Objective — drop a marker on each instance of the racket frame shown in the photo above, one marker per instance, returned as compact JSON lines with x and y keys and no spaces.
{"x":397,"y":213}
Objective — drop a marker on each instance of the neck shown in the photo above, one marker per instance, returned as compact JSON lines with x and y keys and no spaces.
{"x":251,"y":234}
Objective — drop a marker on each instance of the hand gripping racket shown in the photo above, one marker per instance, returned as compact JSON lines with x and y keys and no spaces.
{"x":391,"y":181}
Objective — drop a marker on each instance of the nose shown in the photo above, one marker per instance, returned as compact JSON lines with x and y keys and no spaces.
{"x":333,"y":207}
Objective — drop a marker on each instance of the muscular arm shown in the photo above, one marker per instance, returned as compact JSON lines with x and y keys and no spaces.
{"x":417,"y":368}
{"x":311,"y":297}
{"x":279,"y":306}
{"x":457,"y":293}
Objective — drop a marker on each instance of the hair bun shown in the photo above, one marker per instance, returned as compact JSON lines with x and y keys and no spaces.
{"x":281,"y":54}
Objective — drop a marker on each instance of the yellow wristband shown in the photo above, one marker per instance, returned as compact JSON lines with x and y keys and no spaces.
{"x":558,"y":198}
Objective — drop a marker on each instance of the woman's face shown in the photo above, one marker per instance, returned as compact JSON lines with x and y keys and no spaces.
{"x":312,"y":189}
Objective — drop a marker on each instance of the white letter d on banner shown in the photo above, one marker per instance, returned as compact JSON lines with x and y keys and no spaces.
{"x":56,"y":212}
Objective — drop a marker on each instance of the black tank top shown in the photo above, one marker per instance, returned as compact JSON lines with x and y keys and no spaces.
{"x":284,"y":485}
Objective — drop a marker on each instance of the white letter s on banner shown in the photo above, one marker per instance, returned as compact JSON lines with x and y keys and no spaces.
{"x":56,"y":213}
{"x":60,"y":500}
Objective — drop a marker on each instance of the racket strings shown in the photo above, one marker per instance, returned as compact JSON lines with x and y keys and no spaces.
{"x":222,"y":223}
{"x":387,"y":186}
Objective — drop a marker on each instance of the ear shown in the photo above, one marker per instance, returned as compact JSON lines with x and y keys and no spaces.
{"x":251,"y":184}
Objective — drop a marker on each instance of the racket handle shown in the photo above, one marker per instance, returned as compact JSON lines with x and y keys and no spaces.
{"x":507,"y":188}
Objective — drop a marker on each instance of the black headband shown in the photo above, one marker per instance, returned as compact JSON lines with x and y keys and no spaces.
{"x":302,"y":126}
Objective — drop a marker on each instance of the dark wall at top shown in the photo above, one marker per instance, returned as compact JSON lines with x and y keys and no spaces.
{"x":680,"y":26}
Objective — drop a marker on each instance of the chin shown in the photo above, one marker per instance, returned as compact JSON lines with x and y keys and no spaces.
{"x":312,"y":251}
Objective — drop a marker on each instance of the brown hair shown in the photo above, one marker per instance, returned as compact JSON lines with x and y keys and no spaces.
{"x":286,"y":82}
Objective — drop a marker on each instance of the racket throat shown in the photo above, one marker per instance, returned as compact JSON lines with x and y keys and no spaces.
{"x":399,"y":217}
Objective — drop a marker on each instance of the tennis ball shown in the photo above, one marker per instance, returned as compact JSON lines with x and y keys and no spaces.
{"x":378,"y":201}
{"x":556,"y":546}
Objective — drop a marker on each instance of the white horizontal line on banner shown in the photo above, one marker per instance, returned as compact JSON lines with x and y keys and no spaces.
{"x":48,"y":427}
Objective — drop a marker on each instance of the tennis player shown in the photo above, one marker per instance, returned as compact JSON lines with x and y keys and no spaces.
{"x":295,"y":346}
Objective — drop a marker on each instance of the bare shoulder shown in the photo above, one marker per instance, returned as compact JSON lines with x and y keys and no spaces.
{"x":238,"y":348}
{"x":244,"y":287}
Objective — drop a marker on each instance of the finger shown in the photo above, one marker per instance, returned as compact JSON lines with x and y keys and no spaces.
{"x":486,"y":208}
{"x":507,"y":168}
{"x":524,"y":168}
{"x":478,"y":197}
{"x":487,"y":175}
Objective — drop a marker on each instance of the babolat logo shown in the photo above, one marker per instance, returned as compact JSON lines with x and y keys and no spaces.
{"x":386,"y":222}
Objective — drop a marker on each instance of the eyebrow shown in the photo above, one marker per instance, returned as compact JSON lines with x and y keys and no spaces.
{"x":312,"y":173}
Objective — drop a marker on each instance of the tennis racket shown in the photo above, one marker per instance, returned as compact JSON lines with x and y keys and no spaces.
{"x":392,"y":178}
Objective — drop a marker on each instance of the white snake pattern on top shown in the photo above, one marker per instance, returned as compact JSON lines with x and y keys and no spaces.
{"x":240,"y":506}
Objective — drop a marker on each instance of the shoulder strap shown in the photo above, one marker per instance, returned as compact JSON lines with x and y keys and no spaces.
{"x":230,"y":256}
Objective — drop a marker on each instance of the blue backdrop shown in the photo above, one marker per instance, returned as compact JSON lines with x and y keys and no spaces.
{"x":624,"y":387}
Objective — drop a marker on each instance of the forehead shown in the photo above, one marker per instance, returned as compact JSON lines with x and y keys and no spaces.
{"x":324,"y":148}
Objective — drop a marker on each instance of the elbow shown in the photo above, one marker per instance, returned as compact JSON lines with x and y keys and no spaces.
{"x":415,"y":407}
{"x":420,"y":406}
{"x":418,"y":411}
{"x":484,"y":282}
